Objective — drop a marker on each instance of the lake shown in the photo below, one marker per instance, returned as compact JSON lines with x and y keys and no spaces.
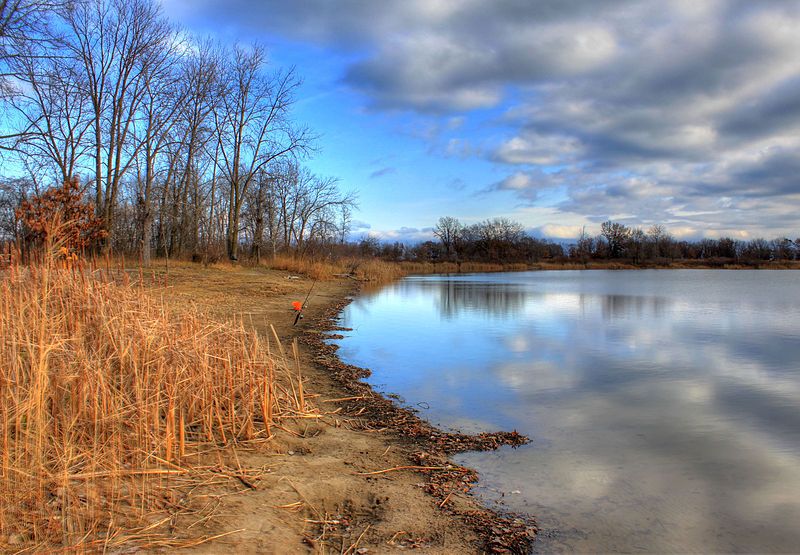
{"x":663,"y":406}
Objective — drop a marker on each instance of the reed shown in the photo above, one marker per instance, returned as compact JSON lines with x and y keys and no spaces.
{"x":380,"y":271}
{"x":314,"y":268}
{"x":106,"y":395}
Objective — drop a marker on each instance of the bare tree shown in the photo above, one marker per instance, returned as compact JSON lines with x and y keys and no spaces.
{"x":257,"y":211}
{"x":20,"y":18}
{"x":12,"y":193}
{"x":162,"y":101}
{"x":24,"y":35}
{"x":617,"y":235}
{"x":253,"y":127}
{"x":201,"y":75}
{"x":114,"y":42}
{"x":23,"y":22}
{"x":288,"y":179}
{"x":345,"y":223}
{"x":160,"y":125}
{"x":660,"y":239}
{"x":296,"y":208}
{"x":584,"y":248}
{"x":51,"y":111}
{"x":448,"y":230}
{"x":637,"y":241}
{"x":317,"y":197}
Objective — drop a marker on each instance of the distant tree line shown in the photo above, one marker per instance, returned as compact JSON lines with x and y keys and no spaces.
{"x":184,"y":146}
{"x":500,"y":240}
{"x":617,"y":241}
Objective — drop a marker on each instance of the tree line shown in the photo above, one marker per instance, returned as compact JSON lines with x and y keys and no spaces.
{"x":496,"y":240}
{"x":183,"y":145}
{"x":656,"y":244}
{"x":501,"y":240}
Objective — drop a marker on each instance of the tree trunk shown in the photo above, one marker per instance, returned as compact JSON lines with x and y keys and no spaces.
{"x":232,"y":238}
{"x":147,"y":236}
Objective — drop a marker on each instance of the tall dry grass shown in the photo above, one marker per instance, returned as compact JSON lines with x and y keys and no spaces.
{"x":312,"y":267}
{"x":380,"y":271}
{"x":106,"y":395}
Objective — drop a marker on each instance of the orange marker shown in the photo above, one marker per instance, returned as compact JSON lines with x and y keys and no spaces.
{"x":298,"y":306}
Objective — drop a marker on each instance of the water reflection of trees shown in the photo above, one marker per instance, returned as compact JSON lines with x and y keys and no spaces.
{"x":508,"y":299}
{"x":623,"y":306}
{"x":494,"y":299}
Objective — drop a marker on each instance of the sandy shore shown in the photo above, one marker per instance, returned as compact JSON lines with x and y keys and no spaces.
{"x":363,"y":477}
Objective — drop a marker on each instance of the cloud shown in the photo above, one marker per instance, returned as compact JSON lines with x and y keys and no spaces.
{"x":648,"y":109}
{"x":556,"y":231}
{"x":406,"y":235}
{"x":775,"y":111}
{"x":357,"y":226}
{"x":455,"y":122}
{"x":460,"y":148}
{"x":533,"y":148}
{"x":520,"y":183}
{"x":383,"y":171}
{"x":434,"y":55}
{"x":465,"y":61}
{"x":527,"y":184}
{"x":516,"y":182}
{"x":456,"y":184}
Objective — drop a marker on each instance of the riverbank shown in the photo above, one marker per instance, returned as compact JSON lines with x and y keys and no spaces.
{"x":364,"y":474}
{"x":376,"y":270}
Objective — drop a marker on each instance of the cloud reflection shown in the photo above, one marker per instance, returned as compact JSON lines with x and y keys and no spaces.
{"x":664,"y":410}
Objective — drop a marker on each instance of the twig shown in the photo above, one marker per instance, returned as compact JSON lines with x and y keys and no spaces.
{"x":303,"y":497}
{"x":344,"y":399}
{"x":212,"y":538}
{"x":105,"y":474}
{"x":353,"y":547}
{"x":402,"y":468}
{"x":446,"y":499}
{"x":391,"y":541}
{"x":294,"y":507}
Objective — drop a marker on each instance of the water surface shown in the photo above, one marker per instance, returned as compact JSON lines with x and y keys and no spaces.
{"x":664,"y":406}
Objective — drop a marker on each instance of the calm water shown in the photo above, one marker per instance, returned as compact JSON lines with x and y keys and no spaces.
{"x":664,"y":406}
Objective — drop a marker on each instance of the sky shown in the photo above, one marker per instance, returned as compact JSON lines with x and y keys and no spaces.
{"x":559,"y":114}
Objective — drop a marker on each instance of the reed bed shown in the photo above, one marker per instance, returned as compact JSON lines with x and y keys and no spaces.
{"x":381,"y":271}
{"x":106,"y":396}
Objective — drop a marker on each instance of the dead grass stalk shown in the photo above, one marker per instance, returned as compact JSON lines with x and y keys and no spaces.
{"x":106,"y":396}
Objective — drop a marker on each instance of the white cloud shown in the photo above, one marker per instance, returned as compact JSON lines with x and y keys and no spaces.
{"x":537,"y":149}
{"x":517,"y":182}
{"x":558,"y":231}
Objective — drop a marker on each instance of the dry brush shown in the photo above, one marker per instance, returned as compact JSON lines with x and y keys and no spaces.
{"x":107,"y":396}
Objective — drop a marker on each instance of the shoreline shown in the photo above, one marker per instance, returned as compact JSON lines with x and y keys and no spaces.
{"x":376,"y":272}
{"x":499,"y":531}
{"x":364,"y":473}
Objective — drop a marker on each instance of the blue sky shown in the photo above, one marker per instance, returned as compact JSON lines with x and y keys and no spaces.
{"x":556,"y":113}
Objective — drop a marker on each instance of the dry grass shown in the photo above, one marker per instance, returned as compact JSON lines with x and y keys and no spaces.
{"x":379,"y":271}
{"x":463,"y":268}
{"x":316,"y":269}
{"x":106,"y":396}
